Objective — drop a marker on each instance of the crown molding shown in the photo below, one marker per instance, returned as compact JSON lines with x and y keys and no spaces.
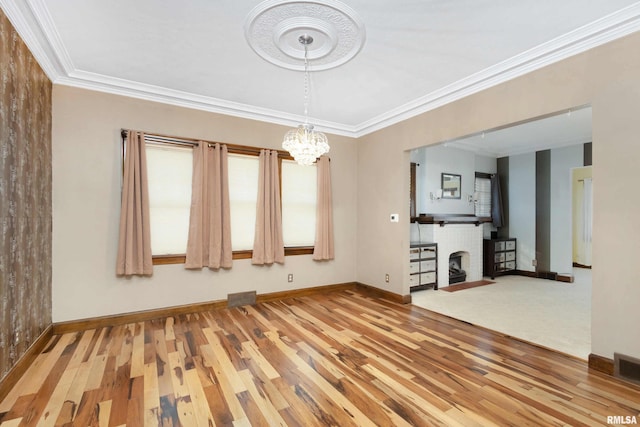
{"x":21,"y":16}
{"x":34,"y":24}
{"x":131,"y":89}
{"x":611,"y":27}
{"x":45,"y":23}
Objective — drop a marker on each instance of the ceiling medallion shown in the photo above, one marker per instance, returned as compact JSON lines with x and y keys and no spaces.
{"x":273,"y":27}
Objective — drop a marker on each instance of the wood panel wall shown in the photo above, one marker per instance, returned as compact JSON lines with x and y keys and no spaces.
{"x":25,"y":198}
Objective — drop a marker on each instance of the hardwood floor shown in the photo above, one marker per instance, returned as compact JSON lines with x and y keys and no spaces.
{"x":341,"y":358}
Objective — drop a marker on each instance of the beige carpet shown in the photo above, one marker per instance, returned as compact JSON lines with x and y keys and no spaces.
{"x":553,"y":314}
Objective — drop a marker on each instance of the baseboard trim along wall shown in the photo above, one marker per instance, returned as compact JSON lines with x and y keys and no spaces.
{"x":18,"y":370}
{"x":381,"y":293}
{"x":141,"y":316}
{"x":550,"y":275}
{"x":601,"y":364}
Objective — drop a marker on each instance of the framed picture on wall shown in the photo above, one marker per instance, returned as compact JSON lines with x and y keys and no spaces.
{"x":451,"y":184}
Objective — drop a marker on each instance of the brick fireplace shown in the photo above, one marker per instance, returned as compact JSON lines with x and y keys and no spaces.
{"x":453,"y":238}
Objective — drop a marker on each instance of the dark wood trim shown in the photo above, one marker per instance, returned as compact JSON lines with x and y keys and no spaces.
{"x":532,"y":274}
{"x":141,"y":316}
{"x":412,"y":189}
{"x":243,"y":254}
{"x":180,"y":259}
{"x":601,"y":364}
{"x":543,"y":210}
{"x":444,"y":219}
{"x":587,"y":154}
{"x":18,"y":370}
{"x":381,"y":293}
{"x":578,"y":265}
{"x":134,"y":317}
{"x":503,"y":173}
{"x":549,"y":275}
{"x":483,"y":175}
{"x":299,"y":250}
{"x":168,"y":259}
{"x":297,"y":293}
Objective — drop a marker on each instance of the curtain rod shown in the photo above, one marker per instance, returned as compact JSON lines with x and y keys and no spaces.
{"x":182,"y":142}
{"x":233,"y":148}
{"x":165,"y":139}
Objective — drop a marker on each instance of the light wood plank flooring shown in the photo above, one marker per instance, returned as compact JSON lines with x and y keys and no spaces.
{"x":341,"y":358}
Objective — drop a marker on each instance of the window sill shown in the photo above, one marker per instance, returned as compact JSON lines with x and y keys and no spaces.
{"x":180,"y":259}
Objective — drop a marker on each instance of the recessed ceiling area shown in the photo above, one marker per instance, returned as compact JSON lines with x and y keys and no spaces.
{"x":570,"y":127}
{"x":415,"y":55}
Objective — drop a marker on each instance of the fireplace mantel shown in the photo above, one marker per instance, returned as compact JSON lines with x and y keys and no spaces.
{"x":444,"y":219}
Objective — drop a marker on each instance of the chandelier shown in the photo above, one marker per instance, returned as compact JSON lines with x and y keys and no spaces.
{"x":304,"y":143}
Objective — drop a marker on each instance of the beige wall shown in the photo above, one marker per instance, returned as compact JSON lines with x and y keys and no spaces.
{"x":608,"y":78}
{"x":370,"y":182}
{"x":86,"y":203}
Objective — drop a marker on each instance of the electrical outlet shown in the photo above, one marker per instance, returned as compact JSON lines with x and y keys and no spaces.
{"x":534,"y":262}
{"x":386,"y":278}
{"x":290,"y":278}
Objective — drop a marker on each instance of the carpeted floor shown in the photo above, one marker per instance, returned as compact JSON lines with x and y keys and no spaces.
{"x":553,"y":314}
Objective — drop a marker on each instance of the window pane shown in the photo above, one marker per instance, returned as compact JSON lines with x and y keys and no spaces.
{"x":243,"y":196}
{"x":483,"y":197}
{"x":169,"y":172}
{"x":299,"y":187}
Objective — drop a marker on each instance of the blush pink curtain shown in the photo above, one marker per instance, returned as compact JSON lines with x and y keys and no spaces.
{"x":323,"y":247}
{"x":268,"y":245}
{"x":209,"y":241}
{"x":134,"y":245}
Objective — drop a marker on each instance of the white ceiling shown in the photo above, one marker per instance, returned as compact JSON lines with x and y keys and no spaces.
{"x":418,"y":54}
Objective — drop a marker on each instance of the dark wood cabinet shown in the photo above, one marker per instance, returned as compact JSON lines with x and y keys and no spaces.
{"x":423,"y":267}
{"x":499,"y":256}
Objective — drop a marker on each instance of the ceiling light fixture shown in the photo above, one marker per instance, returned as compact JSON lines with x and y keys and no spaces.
{"x":304,"y":143}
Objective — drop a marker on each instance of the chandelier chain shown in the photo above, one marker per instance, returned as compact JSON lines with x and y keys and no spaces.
{"x":306,"y":85}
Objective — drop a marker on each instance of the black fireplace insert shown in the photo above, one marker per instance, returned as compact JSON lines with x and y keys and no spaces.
{"x":456,"y":273}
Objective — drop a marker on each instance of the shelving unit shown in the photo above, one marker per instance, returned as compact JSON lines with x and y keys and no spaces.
{"x":423,"y":267}
{"x":499,"y":256}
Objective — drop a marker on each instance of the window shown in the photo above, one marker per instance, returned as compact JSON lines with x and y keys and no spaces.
{"x":169,"y":170}
{"x":298,"y":191}
{"x":243,"y":196}
{"x":482,"y":195}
